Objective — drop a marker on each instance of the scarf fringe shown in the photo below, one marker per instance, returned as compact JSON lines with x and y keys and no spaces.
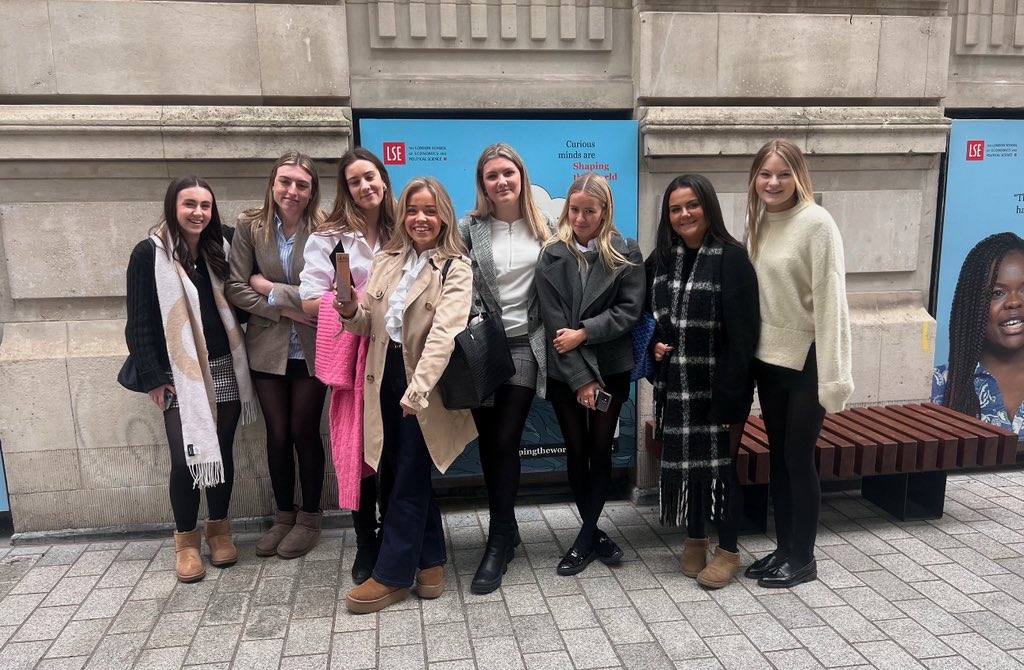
{"x":674,"y":499}
{"x":205,"y":475}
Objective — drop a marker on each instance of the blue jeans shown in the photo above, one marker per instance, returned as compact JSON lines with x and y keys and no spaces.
{"x":413,"y":536}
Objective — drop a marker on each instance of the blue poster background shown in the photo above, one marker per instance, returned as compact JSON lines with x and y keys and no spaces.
{"x":984,"y":196}
{"x":554,"y":153}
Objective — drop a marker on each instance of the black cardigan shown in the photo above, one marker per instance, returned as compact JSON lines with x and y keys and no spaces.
{"x":732,"y":389}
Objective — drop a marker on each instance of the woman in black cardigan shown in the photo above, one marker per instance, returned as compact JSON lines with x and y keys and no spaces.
{"x":703,"y":295}
{"x":590,"y":284}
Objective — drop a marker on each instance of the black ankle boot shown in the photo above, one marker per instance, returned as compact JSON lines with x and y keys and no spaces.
{"x":501,"y":548}
{"x":367,"y":545}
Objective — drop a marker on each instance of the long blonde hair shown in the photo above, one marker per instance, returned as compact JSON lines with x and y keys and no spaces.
{"x":595,"y":185}
{"x":794,"y":159}
{"x":264,"y":214}
{"x":527,"y":205}
{"x":449,"y":242}
{"x":346,"y":216}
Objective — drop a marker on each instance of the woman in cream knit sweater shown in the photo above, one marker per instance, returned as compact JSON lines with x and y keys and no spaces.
{"x":803,"y":365}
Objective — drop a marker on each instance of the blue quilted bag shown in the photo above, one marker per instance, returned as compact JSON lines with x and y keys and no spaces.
{"x":643,"y":359}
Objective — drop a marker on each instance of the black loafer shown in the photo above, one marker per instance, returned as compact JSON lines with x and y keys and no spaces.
{"x":574,"y":562}
{"x":763,"y":565}
{"x":607,"y":551}
{"x":786,"y":575}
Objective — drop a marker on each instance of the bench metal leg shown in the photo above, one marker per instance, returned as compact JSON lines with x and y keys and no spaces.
{"x":755,"y":509}
{"x":908,"y":497}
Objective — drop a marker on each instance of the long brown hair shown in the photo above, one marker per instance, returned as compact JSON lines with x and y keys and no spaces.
{"x":211,"y":240}
{"x":794,"y":159}
{"x":264,"y":214}
{"x":528,"y":208}
{"x":449,"y":243}
{"x":346,"y":216}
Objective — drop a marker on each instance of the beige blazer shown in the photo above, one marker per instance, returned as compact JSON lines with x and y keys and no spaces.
{"x":267,"y":333}
{"x":434,"y":315}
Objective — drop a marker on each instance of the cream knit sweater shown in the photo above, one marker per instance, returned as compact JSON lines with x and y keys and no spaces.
{"x":801,"y":278}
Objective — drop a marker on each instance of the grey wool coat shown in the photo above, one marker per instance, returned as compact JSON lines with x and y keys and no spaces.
{"x":608,"y":306}
{"x":476,"y":235}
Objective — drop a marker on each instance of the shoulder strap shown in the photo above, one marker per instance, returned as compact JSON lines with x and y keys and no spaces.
{"x":339,"y":248}
{"x":444,"y":269}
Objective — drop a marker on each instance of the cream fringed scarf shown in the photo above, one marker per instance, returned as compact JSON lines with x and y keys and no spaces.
{"x":190,"y":368}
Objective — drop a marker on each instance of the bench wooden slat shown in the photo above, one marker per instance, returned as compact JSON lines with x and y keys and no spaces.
{"x":1006,"y":440}
{"x":906,"y":447}
{"x":927,"y":451}
{"x":967,"y":451}
{"x":950,"y":443}
{"x":866,"y":453}
{"x":887,"y":446}
{"x":988,"y":439}
{"x":760,"y":459}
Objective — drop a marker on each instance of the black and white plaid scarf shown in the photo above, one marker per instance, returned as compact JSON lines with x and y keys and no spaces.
{"x":693,"y":448}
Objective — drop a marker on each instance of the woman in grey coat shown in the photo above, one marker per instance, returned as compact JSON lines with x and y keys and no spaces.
{"x":590,"y":284}
{"x":504,"y":235}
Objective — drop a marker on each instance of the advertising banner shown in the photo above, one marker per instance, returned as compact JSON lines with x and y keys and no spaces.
{"x":555,"y":153}
{"x":979,"y":350}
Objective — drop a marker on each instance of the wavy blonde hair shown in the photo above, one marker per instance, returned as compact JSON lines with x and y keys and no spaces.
{"x":794,"y":159}
{"x":264,"y":214}
{"x":449,"y":242}
{"x":595,"y":185}
{"x":528,"y":208}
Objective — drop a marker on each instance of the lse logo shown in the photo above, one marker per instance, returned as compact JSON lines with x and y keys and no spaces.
{"x":976,"y":150}
{"x":394,"y":153}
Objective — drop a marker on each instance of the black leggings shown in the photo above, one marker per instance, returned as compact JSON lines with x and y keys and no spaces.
{"x":184,"y":497}
{"x":588,"y":438}
{"x":501,"y":431}
{"x":292,"y":408}
{"x":697,"y":502}
{"x":793,"y":419}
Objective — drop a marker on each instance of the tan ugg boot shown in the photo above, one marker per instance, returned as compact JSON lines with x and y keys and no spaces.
{"x":430,"y":582}
{"x":720,"y":570}
{"x":188,"y":565}
{"x":302,"y":537}
{"x":695,"y":556}
{"x":372,"y":596}
{"x":218,"y":539}
{"x":283,"y":522}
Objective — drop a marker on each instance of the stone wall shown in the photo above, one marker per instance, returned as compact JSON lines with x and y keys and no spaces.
{"x":103,"y":101}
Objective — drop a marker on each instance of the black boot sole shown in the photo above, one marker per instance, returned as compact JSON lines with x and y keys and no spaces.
{"x":481,"y":587}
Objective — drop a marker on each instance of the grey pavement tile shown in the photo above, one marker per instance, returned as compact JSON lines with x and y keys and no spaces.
{"x":682,"y":589}
{"x":497,"y":653}
{"x":399,"y":628}
{"x":232,"y":608}
{"x":765,"y":632}
{"x":935,"y":620}
{"x":259,"y":654}
{"x":835,"y":576}
{"x":605,"y":592}
{"x":948,"y":663}
{"x":519,"y":571}
{"x":560,"y":516}
{"x":888,"y":585}
{"x":45,"y":623}
{"x":277,"y":567}
{"x":117,"y":652}
{"x":15,"y":609}
{"x":535,"y":531}
{"x":103,"y":603}
{"x":736,"y":600}
{"x":164,"y":560}
{"x":537,"y":632}
{"x":188,"y":597}
{"x":635,"y":575}
{"x":962,"y":579}
{"x":155,"y":585}
{"x":487,"y":619}
{"x":884,"y":529}
{"x":467,"y":518}
{"x":853,"y":508}
{"x":239,"y":578}
{"x":5,"y":633}
{"x":136,"y":616}
{"x":174,"y":630}
{"x":447,"y":642}
{"x":955,"y":517}
{"x":590,"y":648}
{"x":522,"y":599}
{"x":78,"y":638}
{"x":328,"y":549}
{"x":850,"y":624}
{"x":1009,"y":584}
{"x":997,"y":531}
{"x":996,"y":630}
{"x":920,"y":552}
{"x":354,"y":650}
{"x":826,"y":645}
{"x":1014,"y":565}
{"x":346,"y":622}
{"x":62,"y":554}
{"x":275,"y":591}
{"x":816,"y":594}
{"x":121,"y":573}
{"x":710,"y":663}
{"x":313,"y":662}
{"x":224,"y":665}
{"x":790,"y":611}
{"x":13,"y":568}
{"x":679,"y":640}
{"x":40,"y":579}
{"x":735,"y":652}
{"x":5,"y":587}
{"x":29,"y":550}
{"x":625,"y":514}
{"x":107,"y":545}
{"x":655,"y":605}
{"x":406,"y":657}
{"x":949,"y":598}
{"x":546,"y":660}
{"x":793,"y":659}
{"x":707,"y":618}
{"x":867,"y":542}
{"x":981,"y":652}
{"x":319,"y":573}
{"x":1004,"y":605}
{"x":569,"y":612}
{"x":643,"y":656}
{"x":660,"y":559}
{"x":313,"y":602}
{"x":267,"y":622}
{"x":965,"y":497}
{"x":1006,"y":517}
{"x":990,"y":548}
{"x":69,"y":663}
{"x":92,"y":563}
{"x":887,"y":655}
{"x":140,"y":550}
{"x":850,"y":557}
{"x":872,"y":606}
{"x":934,"y":537}
{"x":468,"y":537}
{"x":552,"y":585}
{"x":624,"y":626}
{"x":164,"y":658}
{"x":23,"y":655}
{"x":641,"y":537}
{"x":914,"y":638}
{"x":445,"y":609}
{"x":213,"y":644}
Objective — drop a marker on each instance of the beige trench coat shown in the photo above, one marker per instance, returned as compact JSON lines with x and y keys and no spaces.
{"x":434,"y":315}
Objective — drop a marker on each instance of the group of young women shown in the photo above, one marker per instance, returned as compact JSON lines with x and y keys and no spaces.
{"x":569,"y":294}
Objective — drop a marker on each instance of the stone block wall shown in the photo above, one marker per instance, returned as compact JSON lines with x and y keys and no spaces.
{"x":102,"y":101}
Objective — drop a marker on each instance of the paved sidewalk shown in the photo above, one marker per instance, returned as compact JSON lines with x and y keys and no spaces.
{"x":942,"y":595}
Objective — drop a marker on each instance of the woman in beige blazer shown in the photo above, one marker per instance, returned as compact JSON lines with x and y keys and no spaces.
{"x":416,"y":301}
{"x":266,"y":261}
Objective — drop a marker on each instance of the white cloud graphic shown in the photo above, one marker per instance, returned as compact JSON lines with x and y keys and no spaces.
{"x":548,"y":205}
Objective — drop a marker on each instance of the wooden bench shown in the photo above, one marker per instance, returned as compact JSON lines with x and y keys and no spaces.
{"x":900,"y":452}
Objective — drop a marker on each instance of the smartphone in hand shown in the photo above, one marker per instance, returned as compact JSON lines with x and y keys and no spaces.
{"x":602,"y":400}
